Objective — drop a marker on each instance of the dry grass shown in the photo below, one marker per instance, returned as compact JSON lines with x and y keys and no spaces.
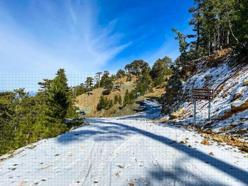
{"x":219,"y":54}
{"x":179,"y":114}
{"x":220,"y":138}
{"x":88,"y":103}
{"x":205,"y":142}
{"x":155,"y":93}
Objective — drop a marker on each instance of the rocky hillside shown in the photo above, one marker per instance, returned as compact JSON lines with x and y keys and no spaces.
{"x":229,"y":111}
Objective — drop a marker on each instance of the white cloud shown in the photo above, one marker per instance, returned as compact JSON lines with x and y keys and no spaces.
{"x":81,"y":47}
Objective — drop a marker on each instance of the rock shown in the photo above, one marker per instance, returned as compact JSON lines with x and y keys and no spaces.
{"x":236,"y":96}
{"x":121,"y":166}
{"x":211,"y":153}
{"x":245,"y":82}
{"x":182,"y":142}
{"x":205,"y":142}
{"x":239,"y":106}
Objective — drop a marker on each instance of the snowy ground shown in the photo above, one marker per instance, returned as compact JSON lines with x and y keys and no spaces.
{"x":230,"y":97}
{"x":130,"y":150}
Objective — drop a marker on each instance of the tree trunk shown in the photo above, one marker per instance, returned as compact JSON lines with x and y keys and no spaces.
{"x":228,"y":38}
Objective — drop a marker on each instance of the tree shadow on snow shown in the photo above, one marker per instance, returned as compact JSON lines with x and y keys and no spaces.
{"x":96,"y":132}
{"x":179,"y":176}
{"x":176,"y":175}
{"x":109,"y":131}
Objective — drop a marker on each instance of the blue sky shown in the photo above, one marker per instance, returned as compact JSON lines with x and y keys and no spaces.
{"x":84,"y":36}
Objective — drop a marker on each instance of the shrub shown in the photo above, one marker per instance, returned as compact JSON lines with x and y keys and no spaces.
{"x":104,"y":103}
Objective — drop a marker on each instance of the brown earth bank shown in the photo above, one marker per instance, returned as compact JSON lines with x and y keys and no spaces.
{"x":209,"y":135}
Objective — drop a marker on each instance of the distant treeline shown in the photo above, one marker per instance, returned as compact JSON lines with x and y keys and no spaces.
{"x":146,"y":78}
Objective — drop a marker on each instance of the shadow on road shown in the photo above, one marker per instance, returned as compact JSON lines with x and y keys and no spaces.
{"x":108,"y":131}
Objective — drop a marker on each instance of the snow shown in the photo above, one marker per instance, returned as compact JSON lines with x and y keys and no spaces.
{"x":230,"y":92}
{"x":125,"y":151}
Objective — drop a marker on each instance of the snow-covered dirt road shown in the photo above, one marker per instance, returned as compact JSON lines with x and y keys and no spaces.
{"x":130,"y":151}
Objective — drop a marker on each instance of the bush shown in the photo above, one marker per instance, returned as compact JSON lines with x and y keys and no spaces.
{"x":106,"y":92}
{"x":129,"y":98}
{"x":104,"y":104}
{"x":117,"y":99}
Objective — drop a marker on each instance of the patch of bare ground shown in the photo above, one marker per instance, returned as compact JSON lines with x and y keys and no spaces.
{"x":221,"y":138}
{"x":235,"y":109}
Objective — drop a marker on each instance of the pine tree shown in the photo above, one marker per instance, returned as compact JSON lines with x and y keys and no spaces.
{"x":239,"y":26}
{"x":116,"y":99}
{"x":126,"y":100}
{"x":160,"y":70}
{"x":137,"y":67}
{"x":183,"y":45}
{"x":55,"y":100}
{"x":89,"y":83}
{"x":119,"y":100}
{"x":173,"y":92}
{"x":216,"y":25}
{"x":104,"y":103}
{"x":144,"y":83}
{"x":7,"y":126}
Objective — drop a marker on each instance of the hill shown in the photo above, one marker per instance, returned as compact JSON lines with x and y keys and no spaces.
{"x":87,"y":102}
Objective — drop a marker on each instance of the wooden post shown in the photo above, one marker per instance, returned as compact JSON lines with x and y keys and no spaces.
{"x":194,"y":101}
{"x":209,"y":110}
{"x":202,"y":94}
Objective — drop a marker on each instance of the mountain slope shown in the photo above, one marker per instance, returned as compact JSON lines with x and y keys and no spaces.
{"x":229,"y":109}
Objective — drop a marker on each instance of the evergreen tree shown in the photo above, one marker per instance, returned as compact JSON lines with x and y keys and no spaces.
{"x":119,"y":100}
{"x":116,"y":99}
{"x":160,"y":70}
{"x":126,"y":100}
{"x":58,"y":96}
{"x":217,"y":25}
{"x":173,"y":92}
{"x":104,"y":103}
{"x":121,"y":73}
{"x":129,"y":97}
{"x":137,"y":67}
{"x":25,"y":119}
{"x":239,"y":25}
{"x":144,"y":83}
{"x":7,"y":126}
{"x":89,"y":83}
{"x":183,"y":45}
